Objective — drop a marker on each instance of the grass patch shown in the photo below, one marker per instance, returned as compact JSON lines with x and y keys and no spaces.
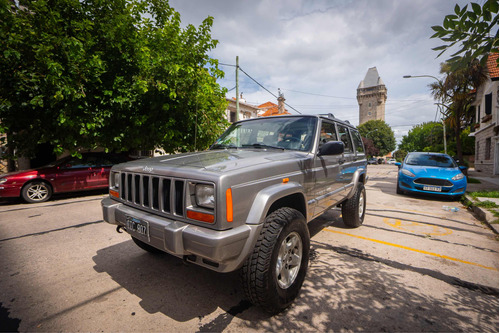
{"x":487,"y":204}
{"x":471,"y":180}
{"x":484,"y":194}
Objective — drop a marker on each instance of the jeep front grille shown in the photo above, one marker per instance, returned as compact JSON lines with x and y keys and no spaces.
{"x":156,"y":193}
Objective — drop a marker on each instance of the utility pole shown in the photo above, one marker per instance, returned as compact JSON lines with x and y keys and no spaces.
{"x":237,"y":90}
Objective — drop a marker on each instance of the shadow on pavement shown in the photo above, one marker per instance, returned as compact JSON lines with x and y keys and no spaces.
{"x":345,"y":290}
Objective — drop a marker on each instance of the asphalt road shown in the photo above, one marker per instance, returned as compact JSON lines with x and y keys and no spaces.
{"x":412,"y":266}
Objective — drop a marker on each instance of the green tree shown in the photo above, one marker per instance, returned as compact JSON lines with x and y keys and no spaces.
{"x":454,"y":94}
{"x":474,"y":28}
{"x":380,"y":133}
{"x":427,"y":137}
{"x":119,"y":74}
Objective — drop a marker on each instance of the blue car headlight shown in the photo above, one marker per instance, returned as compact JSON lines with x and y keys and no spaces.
{"x":407,"y":173}
{"x":458,"y":176}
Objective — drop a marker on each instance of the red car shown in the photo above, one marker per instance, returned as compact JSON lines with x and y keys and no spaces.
{"x":69,"y":174}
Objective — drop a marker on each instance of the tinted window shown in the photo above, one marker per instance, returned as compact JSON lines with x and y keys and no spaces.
{"x":442,"y":161}
{"x":328,"y":133}
{"x":358,"y":143}
{"x":345,"y":138}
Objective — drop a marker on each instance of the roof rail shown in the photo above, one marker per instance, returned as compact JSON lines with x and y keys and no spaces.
{"x":328,"y":115}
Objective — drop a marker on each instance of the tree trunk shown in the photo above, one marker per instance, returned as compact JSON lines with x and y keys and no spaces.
{"x":457,"y":138}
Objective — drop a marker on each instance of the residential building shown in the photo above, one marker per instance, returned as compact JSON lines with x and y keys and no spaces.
{"x":246,"y":110}
{"x":486,"y":134}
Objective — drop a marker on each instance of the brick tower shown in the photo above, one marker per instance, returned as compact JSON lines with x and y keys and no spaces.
{"x":371,"y":95}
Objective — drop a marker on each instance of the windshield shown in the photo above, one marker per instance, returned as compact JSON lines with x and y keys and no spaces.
{"x":442,"y":161}
{"x":294,"y":133}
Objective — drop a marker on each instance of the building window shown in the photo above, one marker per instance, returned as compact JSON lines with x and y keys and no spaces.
{"x":487,"y":103}
{"x":478,"y":118}
{"x":477,"y":150}
{"x":370,"y":104}
{"x":487,"y":152}
{"x":232,"y":117}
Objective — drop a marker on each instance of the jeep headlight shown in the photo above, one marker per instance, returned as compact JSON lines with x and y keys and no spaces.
{"x":205,"y":195}
{"x":114,"y":180}
{"x":458,"y":176}
{"x":3,"y":180}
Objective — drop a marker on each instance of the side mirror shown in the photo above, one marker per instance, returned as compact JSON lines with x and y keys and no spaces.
{"x":398,"y":164}
{"x":331,"y":148}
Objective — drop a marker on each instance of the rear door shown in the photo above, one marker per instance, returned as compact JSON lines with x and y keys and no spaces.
{"x":327,"y":189}
{"x":348,"y":163}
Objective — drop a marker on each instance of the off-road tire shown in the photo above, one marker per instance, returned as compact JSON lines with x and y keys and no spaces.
{"x":264,"y":281}
{"x":36,"y":191}
{"x":354,"y":208}
{"x":146,"y":247}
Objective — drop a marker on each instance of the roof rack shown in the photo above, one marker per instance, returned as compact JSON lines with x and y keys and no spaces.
{"x":328,"y":115}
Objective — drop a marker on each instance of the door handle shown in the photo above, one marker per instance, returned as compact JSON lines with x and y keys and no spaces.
{"x":342,"y":161}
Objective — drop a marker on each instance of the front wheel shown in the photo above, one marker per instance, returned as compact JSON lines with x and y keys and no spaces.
{"x":353,"y":209}
{"x":37,"y":191}
{"x":274,"y":272}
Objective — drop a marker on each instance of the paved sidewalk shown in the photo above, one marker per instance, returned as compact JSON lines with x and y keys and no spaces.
{"x":488,"y":183}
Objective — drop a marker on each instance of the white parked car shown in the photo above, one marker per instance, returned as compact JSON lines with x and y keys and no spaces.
{"x":391,"y":161}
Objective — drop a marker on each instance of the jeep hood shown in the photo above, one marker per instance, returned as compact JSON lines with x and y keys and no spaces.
{"x":218,"y":161}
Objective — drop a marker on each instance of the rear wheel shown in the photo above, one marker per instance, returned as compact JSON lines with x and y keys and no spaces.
{"x":273,"y":274}
{"x":353,"y":209}
{"x":36,"y":191}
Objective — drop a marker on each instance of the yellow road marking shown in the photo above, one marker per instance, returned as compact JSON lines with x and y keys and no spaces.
{"x":411,"y":249}
{"x":417,"y":227}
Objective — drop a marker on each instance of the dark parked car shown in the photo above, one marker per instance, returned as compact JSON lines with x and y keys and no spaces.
{"x":431,"y":173}
{"x":69,"y":174}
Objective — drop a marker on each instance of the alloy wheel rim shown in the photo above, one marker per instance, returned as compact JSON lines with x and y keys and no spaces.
{"x":289,"y":260}
{"x":361,"y":207}
{"x":37,"y":192}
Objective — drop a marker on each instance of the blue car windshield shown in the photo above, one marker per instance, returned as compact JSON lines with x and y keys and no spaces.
{"x":440,"y":161}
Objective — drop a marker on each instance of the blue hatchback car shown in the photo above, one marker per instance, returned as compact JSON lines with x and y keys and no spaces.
{"x":431,"y":173}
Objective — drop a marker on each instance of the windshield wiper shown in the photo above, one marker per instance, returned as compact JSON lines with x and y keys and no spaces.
{"x":260,"y":145}
{"x":223,"y":146}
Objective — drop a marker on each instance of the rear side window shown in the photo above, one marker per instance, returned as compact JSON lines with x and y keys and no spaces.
{"x":345,"y":138}
{"x":358,"y":143}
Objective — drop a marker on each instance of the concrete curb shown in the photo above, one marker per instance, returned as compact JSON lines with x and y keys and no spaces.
{"x":482,"y":214}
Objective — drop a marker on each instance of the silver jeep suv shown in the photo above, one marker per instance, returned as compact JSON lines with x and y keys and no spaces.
{"x":245,"y":203}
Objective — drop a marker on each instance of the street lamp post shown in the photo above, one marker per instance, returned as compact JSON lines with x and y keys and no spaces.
{"x":438,"y":104}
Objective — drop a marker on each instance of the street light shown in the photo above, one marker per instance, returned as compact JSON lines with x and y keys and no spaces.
{"x":414,"y":76}
{"x":438,"y":104}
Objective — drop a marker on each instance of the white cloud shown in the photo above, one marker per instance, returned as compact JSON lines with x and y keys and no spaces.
{"x":325,"y":48}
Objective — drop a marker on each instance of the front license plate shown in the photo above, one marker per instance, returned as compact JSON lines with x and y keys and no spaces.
{"x":432,"y":188}
{"x":136,"y":226}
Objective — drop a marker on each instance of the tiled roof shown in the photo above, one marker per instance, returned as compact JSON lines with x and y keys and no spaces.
{"x":492,"y":65}
{"x":271,"y":109}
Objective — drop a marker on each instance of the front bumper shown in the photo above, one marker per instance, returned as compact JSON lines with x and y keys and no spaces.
{"x":222,"y":251}
{"x":407,"y":183}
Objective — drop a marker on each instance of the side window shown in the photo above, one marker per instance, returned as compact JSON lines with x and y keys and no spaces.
{"x":327,"y":134}
{"x":358,"y":142}
{"x":345,"y":138}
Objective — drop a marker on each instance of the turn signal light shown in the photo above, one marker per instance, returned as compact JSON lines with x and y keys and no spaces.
{"x":203,"y":217}
{"x":229,"y":205}
{"x":114,"y":194}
